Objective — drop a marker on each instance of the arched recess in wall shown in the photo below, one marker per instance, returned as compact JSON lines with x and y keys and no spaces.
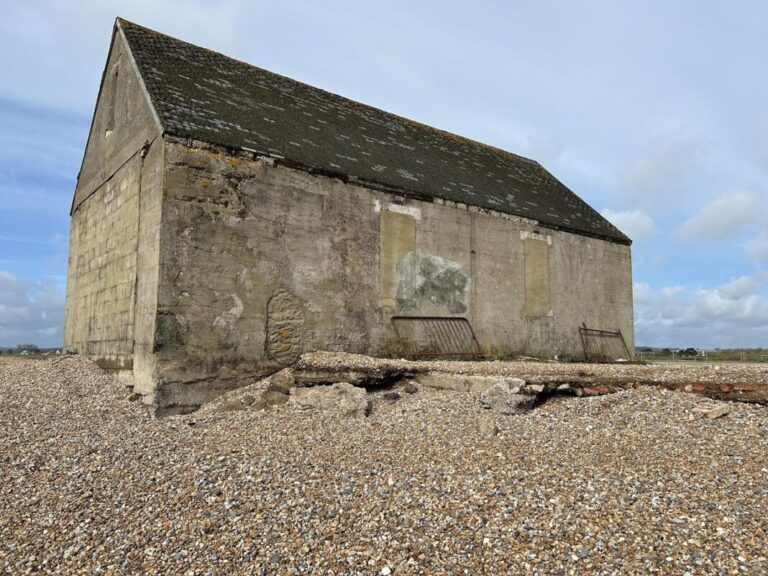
{"x":285,"y":321}
{"x":114,"y":77}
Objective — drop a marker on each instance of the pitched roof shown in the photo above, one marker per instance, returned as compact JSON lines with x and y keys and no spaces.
{"x":204,"y":95}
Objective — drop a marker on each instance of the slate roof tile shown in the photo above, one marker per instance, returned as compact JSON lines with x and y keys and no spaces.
{"x":204,"y":95}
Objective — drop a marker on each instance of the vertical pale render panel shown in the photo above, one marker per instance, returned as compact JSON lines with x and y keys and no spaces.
{"x":398,"y":237}
{"x":537,"y":300}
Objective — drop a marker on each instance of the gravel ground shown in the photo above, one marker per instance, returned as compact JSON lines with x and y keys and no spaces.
{"x":635,"y":482}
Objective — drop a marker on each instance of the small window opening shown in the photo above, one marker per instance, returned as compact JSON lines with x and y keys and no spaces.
{"x":112,"y":99}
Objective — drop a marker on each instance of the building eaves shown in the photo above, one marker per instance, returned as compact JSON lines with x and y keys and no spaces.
{"x":203,"y":95}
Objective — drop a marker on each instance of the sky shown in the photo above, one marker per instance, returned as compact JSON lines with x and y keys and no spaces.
{"x":653,"y":112}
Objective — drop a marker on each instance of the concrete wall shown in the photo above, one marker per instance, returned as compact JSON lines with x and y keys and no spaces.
{"x":259,"y":263}
{"x":240,"y":238}
{"x":114,"y":237}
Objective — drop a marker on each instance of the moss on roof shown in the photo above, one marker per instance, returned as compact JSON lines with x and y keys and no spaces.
{"x":207,"y":96}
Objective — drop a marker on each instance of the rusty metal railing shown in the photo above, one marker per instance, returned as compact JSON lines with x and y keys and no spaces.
{"x":603,"y":345}
{"x":436,"y":336}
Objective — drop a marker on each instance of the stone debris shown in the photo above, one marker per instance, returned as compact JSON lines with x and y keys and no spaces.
{"x":368,"y":374}
{"x":487,"y":426}
{"x":714,"y":413}
{"x":742,"y":382}
{"x":504,"y":399}
{"x":624,"y":483}
{"x":466,"y":382}
{"x":718,"y":412}
{"x":282,"y":381}
{"x":341,"y":398}
{"x":411,"y":387}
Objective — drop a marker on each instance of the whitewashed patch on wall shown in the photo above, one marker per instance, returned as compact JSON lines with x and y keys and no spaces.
{"x":426,"y":280}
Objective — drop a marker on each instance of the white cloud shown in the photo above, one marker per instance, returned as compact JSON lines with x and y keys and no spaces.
{"x":722,"y":218}
{"x":743,"y":286}
{"x":30,"y":312}
{"x":757,"y":249}
{"x":655,"y":179}
{"x":730,"y":315}
{"x":634,"y":223}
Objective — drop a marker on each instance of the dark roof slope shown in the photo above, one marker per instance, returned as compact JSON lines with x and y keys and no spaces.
{"x":204,"y":95}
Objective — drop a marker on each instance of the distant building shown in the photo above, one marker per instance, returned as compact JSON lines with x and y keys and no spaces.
{"x":227,"y":219}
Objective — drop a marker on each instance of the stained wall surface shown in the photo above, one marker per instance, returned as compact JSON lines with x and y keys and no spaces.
{"x":259,"y":262}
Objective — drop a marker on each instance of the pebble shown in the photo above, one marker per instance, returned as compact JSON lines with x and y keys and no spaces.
{"x":411,"y":387}
{"x":622,"y":483}
{"x":487,"y":426}
{"x":718,"y":411}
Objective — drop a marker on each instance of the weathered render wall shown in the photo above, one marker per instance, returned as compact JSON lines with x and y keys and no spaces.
{"x":261,"y":262}
{"x":114,"y":237}
{"x":240,"y":238}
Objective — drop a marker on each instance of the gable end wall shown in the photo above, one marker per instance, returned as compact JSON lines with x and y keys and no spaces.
{"x":114,"y":236}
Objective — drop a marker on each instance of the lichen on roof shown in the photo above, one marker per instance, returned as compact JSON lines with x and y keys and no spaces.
{"x":206,"y":96}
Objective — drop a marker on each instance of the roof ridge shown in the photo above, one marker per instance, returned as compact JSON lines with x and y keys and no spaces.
{"x":209,"y":96}
{"x":416,"y":123}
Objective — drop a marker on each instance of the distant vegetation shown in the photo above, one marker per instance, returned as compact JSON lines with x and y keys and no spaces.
{"x":29,"y":350}
{"x":702,"y":354}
